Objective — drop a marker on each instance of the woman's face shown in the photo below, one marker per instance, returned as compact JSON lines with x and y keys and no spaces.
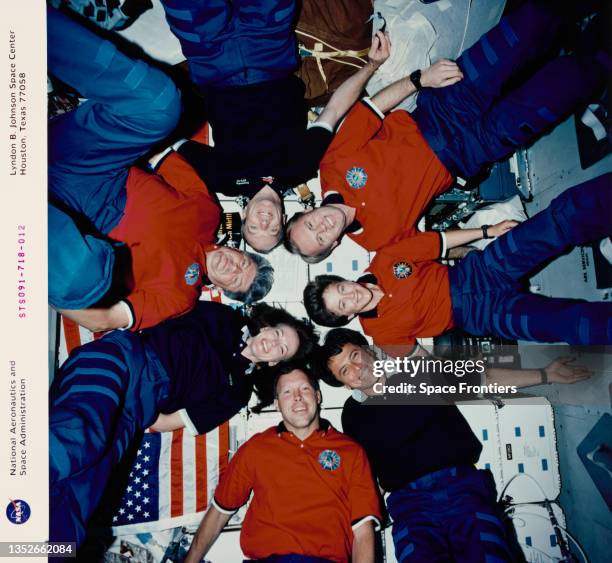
{"x":274,"y":344}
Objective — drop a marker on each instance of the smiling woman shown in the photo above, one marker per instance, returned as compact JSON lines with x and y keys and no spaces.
{"x":277,"y":336}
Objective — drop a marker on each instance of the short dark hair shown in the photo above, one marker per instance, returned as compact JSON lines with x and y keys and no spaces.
{"x":334,"y":342}
{"x":266,"y":382}
{"x":262,"y":283}
{"x":315,"y":306}
{"x":281,"y":232}
{"x":263,"y":315}
{"x":292,"y":247}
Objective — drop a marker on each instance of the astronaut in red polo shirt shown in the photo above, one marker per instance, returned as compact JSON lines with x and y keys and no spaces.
{"x":408,"y":294}
{"x":127,"y":248}
{"x":380,"y":172}
{"x":313,"y":491}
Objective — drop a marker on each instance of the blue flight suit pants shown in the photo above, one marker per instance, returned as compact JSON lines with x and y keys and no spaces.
{"x":234,"y":43}
{"x":104,"y":394}
{"x":130,"y":106}
{"x":448,"y":515}
{"x":483,"y":118}
{"x":488,"y":288}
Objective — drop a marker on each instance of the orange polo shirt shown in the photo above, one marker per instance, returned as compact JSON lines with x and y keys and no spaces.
{"x":169,"y":222}
{"x":307,"y":495}
{"x":385,"y":170}
{"x":417,"y":300}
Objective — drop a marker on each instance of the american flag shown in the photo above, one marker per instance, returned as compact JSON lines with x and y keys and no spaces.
{"x":174,"y":475}
{"x":172,"y":480}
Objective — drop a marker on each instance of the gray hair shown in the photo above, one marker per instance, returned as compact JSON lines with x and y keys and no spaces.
{"x":262,"y":283}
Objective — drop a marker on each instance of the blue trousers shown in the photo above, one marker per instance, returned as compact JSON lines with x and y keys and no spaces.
{"x":130,"y":106}
{"x":448,"y":515}
{"x":487,"y":288}
{"x":105,"y":393}
{"x":239,"y":42}
{"x":478,"y":121}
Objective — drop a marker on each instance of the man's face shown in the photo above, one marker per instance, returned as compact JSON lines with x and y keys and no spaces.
{"x":274,"y":344}
{"x":263,"y":221}
{"x":230,"y":269}
{"x":297,"y":401}
{"x":346,"y":298}
{"x":318,"y":230}
{"x":354,"y":367}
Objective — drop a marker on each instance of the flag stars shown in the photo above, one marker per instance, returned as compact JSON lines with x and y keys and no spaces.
{"x":145,"y":486}
{"x":146,"y":514}
{"x":122,"y":511}
{"x":129,"y":488}
{"x":137,"y":480}
{"x":146,"y":458}
{"x":145,"y":500}
{"x":138,"y":466}
{"x":129,"y":502}
{"x":138,"y":508}
{"x":145,"y":472}
{"x":130,"y":517}
{"x":147,"y":445}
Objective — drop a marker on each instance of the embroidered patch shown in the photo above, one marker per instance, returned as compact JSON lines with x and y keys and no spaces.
{"x":402,"y":270}
{"x":329,"y":460}
{"x":357,"y":177}
{"x":192,"y":274}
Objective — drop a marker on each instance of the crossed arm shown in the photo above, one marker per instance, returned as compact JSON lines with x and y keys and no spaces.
{"x":99,"y":319}
{"x":438,"y":75}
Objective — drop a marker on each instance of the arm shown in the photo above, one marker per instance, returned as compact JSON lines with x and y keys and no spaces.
{"x":459,"y":237}
{"x":558,"y":371}
{"x":348,"y":92}
{"x":441,"y":74}
{"x":208,"y":531}
{"x":168,"y":422}
{"x":100,"y":319}
{"x":363,"y":543}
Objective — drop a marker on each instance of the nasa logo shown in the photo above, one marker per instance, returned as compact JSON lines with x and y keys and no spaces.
{"x":329,"y":460}
{"x":192,"y":273}
{"x":357,"y":177}
{"x":18,"y":511}
{"x":401,"y":270}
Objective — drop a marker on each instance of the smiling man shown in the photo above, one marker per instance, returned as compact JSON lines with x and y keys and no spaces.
{"x":195,"y":371}
{"x":407,"y":294}
{"x":423,"y":452}
{"x":334,"y":503}
{"x":128,"y":248}
{"x":263,"y":220}
{"x":242,"y":56}
{"x":382,"y":169}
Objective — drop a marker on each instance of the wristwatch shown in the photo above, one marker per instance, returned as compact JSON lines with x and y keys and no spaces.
{"x":415,"y":78}
{"x":485,"y":232}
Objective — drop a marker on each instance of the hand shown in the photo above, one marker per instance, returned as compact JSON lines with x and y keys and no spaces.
{"x":441,"y":74}
{"x":380,"y":50}
{"x":501,"y":228}
{"x":559,"y":371}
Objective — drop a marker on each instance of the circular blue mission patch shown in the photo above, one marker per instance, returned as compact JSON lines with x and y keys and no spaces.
{"x":329,"y":460}
{"x":402,"y":270}
{"x":192,"y":274}
{"x":357,"y":177}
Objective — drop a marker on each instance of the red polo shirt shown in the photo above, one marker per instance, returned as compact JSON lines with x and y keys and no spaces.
{"x":169,"y":222}
{"x":417,"y":301}
{"x":307,"y":495}
{"x":385,"y":170}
